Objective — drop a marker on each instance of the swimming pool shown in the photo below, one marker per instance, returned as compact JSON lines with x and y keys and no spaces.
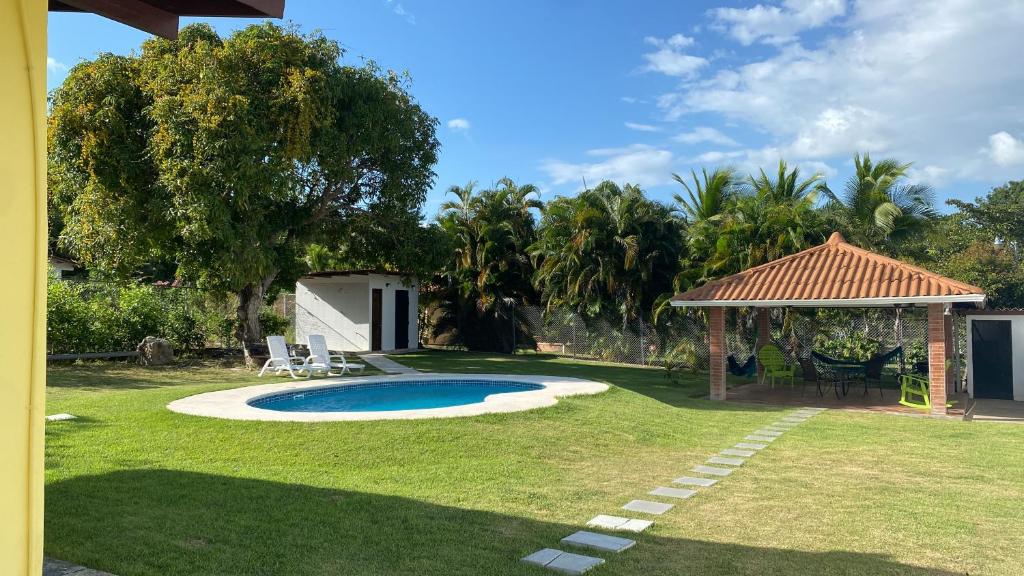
{"x":388,"y":396}
{"x":409,"y":396}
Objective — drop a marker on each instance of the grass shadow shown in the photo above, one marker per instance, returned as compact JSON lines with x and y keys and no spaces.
{"x":165,"y":522}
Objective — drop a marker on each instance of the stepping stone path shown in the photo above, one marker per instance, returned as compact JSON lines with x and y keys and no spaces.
{"x":711,"y":470}
{"x":564,"y":562}
{"x":695,"y":481}
{"x":601,"y":542}
{"x":751,"y":446}
{"x":726,"y":460}
{"x":647,"y":507}
{"x":619,"y":523}
{"x":569,"y":563}
{"x":672,"y":492}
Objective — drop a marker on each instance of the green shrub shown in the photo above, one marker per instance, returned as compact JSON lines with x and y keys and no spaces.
{"x":855,"y":346}
{"x":109,"y":318}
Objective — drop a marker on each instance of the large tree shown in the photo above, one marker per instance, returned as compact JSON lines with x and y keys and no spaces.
{"x":228,"y":156}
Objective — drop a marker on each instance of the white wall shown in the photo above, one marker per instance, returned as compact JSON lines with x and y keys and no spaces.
{"x":339,"y":308}
{"x":335,"y":307}
{"x":1017,"y":337}
{"x":388,"y":285}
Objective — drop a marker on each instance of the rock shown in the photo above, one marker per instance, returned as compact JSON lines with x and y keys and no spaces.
{"x":155,"y":352}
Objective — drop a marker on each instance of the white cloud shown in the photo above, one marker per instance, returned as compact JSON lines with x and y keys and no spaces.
{"x":715,"y":157}
{"x":929,"y":82}
{"x":670,"y":59}
{"x":1005,"y":150}
{"x":703,"y":134}
{"x":459,"y":125}
{"x":642,"y":127}
{"x":776,"y":24}
{"x":54,"y":65}
{"x":637,"y":164}
{"x":401,"y":11}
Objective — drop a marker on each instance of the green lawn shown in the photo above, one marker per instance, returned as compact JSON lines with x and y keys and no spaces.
{"x":135,"y":489}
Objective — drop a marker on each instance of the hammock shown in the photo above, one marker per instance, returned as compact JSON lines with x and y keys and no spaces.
{"x":749,"y":368}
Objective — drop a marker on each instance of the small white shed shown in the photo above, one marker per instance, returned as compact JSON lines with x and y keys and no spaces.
{"x":358,"y":310}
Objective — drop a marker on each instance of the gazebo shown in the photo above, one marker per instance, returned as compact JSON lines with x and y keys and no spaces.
{"x":835,"y":274}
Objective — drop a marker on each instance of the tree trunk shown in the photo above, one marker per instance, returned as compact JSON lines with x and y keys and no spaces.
{"x":247,"y":316}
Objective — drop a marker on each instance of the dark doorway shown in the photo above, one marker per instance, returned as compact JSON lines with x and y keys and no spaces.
{"x":992,"y":359}
{"x":401,"y":319}
{"x":376,"y":298}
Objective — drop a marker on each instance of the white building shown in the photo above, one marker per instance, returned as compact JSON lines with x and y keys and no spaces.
{"x":358,"y":310}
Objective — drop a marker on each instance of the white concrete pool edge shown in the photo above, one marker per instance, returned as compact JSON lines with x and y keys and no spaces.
{"x":233,"y":404}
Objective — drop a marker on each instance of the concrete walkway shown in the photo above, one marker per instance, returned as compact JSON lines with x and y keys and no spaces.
{"x":385,"y":364}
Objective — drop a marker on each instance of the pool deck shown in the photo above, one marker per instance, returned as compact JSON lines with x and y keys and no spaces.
{"x":233,"y":404}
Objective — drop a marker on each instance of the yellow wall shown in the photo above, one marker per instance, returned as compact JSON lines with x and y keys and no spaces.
{"x":22,"y":289}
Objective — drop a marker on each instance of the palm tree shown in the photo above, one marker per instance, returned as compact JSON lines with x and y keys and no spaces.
{"x":490,"y":271}
{"x":787,"y":186}
{"x":878,"y":207}
{"x":609,"y":252}
{"x":708,"y":196}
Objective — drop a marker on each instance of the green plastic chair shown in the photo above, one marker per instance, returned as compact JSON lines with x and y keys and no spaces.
{"x":775,"y":365}
{"x":914,"y":392}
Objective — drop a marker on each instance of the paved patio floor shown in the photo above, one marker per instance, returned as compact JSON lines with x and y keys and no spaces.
{"x":874,"y":401}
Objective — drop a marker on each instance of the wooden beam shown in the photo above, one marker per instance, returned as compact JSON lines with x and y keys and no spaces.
{"x":272,"y":8}
{"x":134,"y":13}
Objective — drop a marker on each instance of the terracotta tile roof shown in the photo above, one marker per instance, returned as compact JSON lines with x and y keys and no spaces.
{"x":835,"y":273}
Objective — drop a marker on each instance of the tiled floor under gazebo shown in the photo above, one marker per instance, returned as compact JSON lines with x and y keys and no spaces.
{"x":785,"y":395}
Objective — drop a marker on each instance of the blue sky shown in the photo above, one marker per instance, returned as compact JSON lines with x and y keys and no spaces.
{"x":555,"y":92}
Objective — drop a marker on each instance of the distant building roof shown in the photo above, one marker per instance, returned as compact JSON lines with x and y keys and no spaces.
{"x":833,"y":274}
{"x":60,"y":261}
{"x":333,"y":273}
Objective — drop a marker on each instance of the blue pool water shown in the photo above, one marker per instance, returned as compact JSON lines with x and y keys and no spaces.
{"x":385,"y":396}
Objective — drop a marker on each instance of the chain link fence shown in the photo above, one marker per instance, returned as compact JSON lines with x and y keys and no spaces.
{"x":680,"y":338}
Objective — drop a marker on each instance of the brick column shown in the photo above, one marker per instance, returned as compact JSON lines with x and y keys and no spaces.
{"x":763,"y":336}
{"x":950,"y":349}
{"x":716,"y":331}
{"x":937,"y":344}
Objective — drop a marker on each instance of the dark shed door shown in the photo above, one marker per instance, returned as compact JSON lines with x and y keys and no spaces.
{"x":375,"y":318}
{"x":401,"y":319}
{"x":992,"y":359}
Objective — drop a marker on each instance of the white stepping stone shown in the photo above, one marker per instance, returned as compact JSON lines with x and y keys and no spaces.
{"x":602,"y":542}
{"x":711,"y":470}
{"x":750,"y":446}
{"x":60,"y":417}
{"x":784,"y":425}
{"x":764,"y":432}
{"x":695,"y":481}
{"x":760,"y":438}
{"x":794,"y":419}
{"x":726,"y":461}
{"x":735,"y":452}
{"x":607,"y":522}
{"x":564,"y":562}
{"x":647,"y":507}
{"x":672,"y":492}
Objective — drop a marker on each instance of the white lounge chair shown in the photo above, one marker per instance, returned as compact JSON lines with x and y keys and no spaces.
{"x":281,"y":361}
{"x":321,"y":360}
